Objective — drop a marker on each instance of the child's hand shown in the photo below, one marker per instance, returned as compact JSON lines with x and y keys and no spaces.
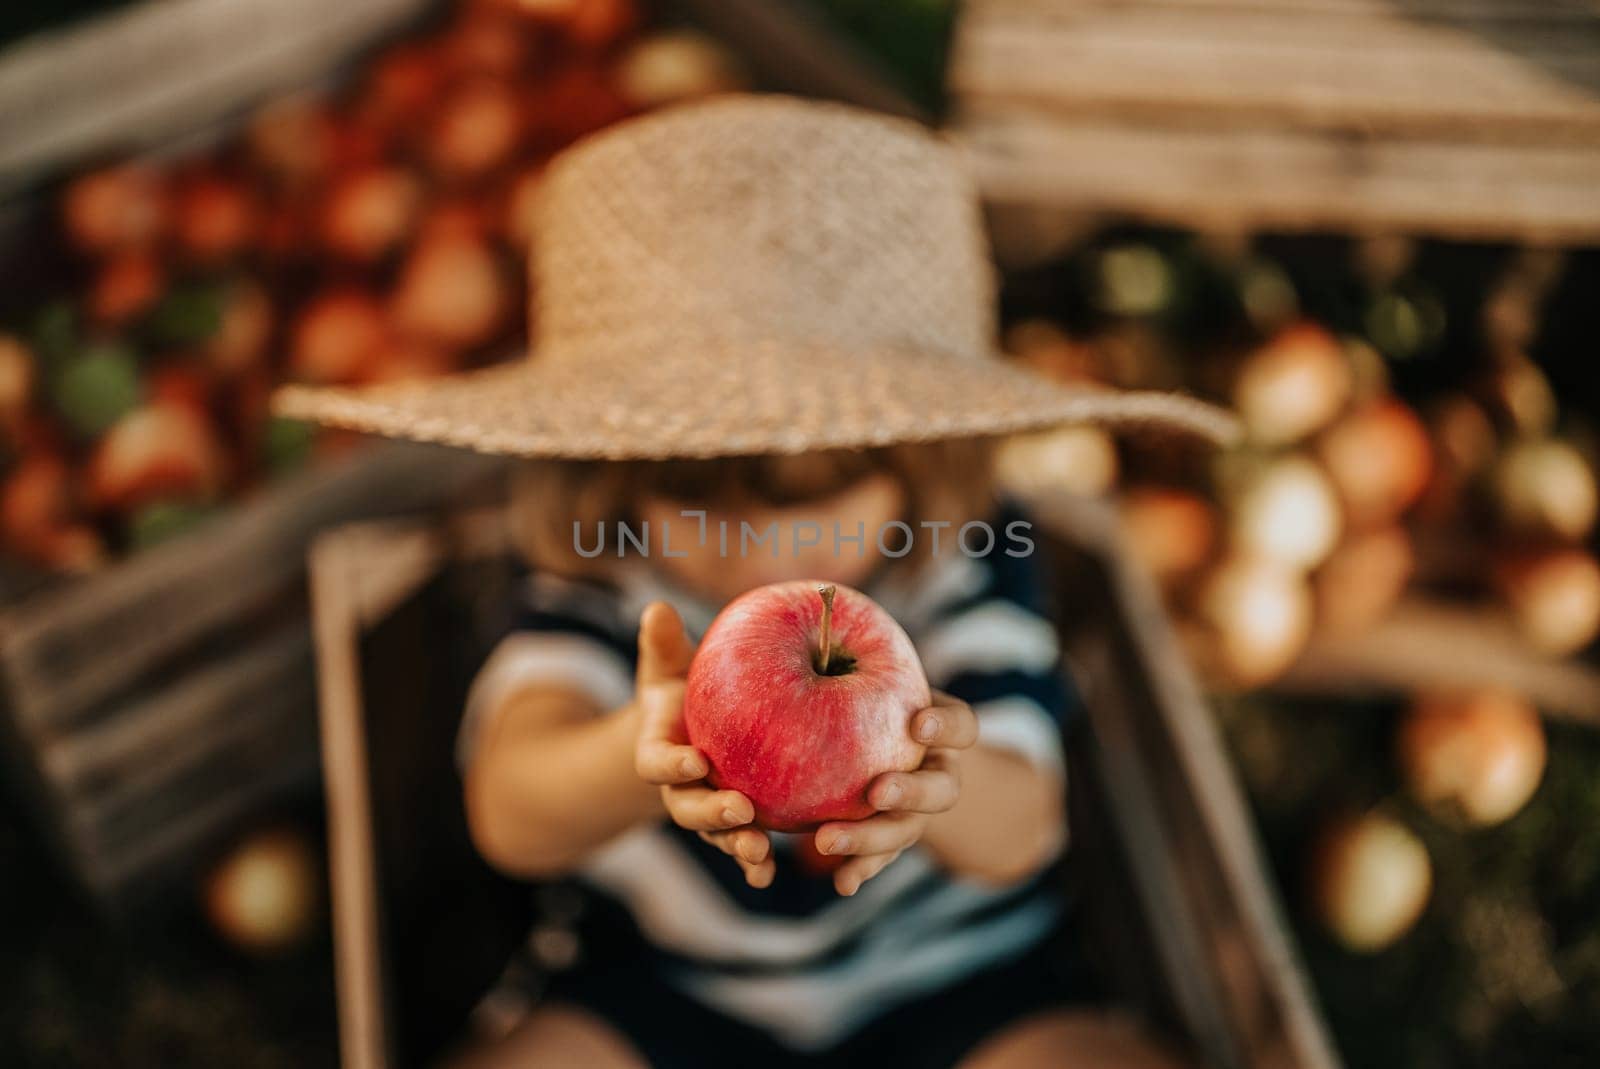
{"x":907,"y":800}
{"x":662,"y":755}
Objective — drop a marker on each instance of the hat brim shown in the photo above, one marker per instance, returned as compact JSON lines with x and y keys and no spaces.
{"x":759,"y":399}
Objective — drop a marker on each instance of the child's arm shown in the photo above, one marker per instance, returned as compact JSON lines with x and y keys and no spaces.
{"x":554,"y":776}
{"x":551,"y":779}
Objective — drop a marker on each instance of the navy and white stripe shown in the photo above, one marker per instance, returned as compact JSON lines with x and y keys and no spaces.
{"x":795,"y":958}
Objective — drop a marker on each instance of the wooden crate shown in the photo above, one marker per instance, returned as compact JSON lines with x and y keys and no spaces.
{"x":1478,"y":119}
{"x":152,"y":708}
{"x":1179,"y":901}
{"x":149,"y":708}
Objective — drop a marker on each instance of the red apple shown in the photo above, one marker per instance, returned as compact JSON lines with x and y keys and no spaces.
{"x":118,"y":208}
{"x":668,"y":68}
{"x":215,"y":217}
{"x":240,"y":341}
{"x":579,"y":98}
{"x":1545,"y":489}
{"x":292,"y":140}
{"x":265,"y":895}
{"x":1554,"y":597}
{"x":475,"y":129}
{"x":1051,"y":351}
{"x":338,"y":338}
{"x":451,"y":292}
{"x":16,"y":380}
{"x":1380,"y":459}
{"x":1479,"y":753}
{"x":799,"y":695}
{"x":485,"y":41}
{"x":1171,"y":532}
{"x":1370,"y":880}
{"x":400,"y":84}
{"x":35,"y":498}
{"x":370,"y":211}
{"x":127,"y":285}
{"x":164,"y":449}
{"x":522,"y":207}
{"x":1294,"y":385}
{"x":1361,"y":581}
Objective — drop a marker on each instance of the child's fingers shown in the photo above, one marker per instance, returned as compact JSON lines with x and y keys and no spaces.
{"x":749,"y":845}
{"x":700,"y":808}
{"x":875,"y":835}
{"x":751,"y":849}
{"x":666,"y":764}
{"x":933,"y":788}
{"x":660,"y":755}
{"x":858,"y":870}
{"x":664,"y":646}
{"x":949,"y":723}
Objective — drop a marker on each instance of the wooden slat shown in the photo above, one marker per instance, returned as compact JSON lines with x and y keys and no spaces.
{"x":1427,"y":644}
{"x":135,"y":751}
{"x":1343,"y":71}
{"x":160,"y":603}
{"x":1284,"y":179}
{"x":1182,"y":804}
{"x":1450,"y":11}
{"x":154,"y":71}
{"x":1478,"y":120}
{"x":340,"y":561}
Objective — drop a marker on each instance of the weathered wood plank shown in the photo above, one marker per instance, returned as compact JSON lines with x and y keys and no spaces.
{"x":1348,"y":70}
{"x":1184,"y":811}
{"x":1451,"y":11}
{"x":1284,"y":178}
{"x":166,"y":600}
{"x":113,"y":762}
{"x":144,"y":75}
{"x":1428,"y":644}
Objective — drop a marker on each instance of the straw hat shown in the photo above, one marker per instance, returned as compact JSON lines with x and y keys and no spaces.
{"x":753,"y":274}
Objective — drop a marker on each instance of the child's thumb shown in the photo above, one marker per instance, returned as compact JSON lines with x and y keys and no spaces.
{"x":664,"y":647}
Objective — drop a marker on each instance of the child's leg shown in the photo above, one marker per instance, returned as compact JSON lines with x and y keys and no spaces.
{"x":555,"y":1036}
{"x":1078,"y":1039}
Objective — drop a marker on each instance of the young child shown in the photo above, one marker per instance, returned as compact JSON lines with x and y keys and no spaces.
{"x":763,"y":353}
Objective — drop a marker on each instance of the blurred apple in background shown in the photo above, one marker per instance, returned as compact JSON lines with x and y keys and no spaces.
{"x":1543,"y":488}
{"x":1292,"y":386}
{"x":669,"y":68}
{"x":125,"y":287}
{"x":265,"y":895}
{"x":1253,"y":617}
{"x":1554,"y":596}
{"x":338,"y":338}
{"x":370,"y":211}
{"x":160,"y":450}
{"x":1287,"y":511}
{"x":451,"y":292}
{"x":1370,"y":879}
{"x":1072,"y":460}
{"x":16,"y":381}
{"x":115,"y":209}
{"x":1171,"y":532}
{"x":1478,"y":754}
{"x":1363,"y":578}
{"x":1379,"y":459}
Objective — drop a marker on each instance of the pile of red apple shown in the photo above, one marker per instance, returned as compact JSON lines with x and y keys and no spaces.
{"x":372,"y":234}
{"x":1343,"y":496}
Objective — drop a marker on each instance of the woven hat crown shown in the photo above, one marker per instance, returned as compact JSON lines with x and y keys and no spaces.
{"x":755,"y":220}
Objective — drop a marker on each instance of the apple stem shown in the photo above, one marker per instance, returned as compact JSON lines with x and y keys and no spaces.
{"x":824,"y":640}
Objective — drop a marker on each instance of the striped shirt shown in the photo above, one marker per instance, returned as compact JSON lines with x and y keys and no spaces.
{"x":796,"y":959}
